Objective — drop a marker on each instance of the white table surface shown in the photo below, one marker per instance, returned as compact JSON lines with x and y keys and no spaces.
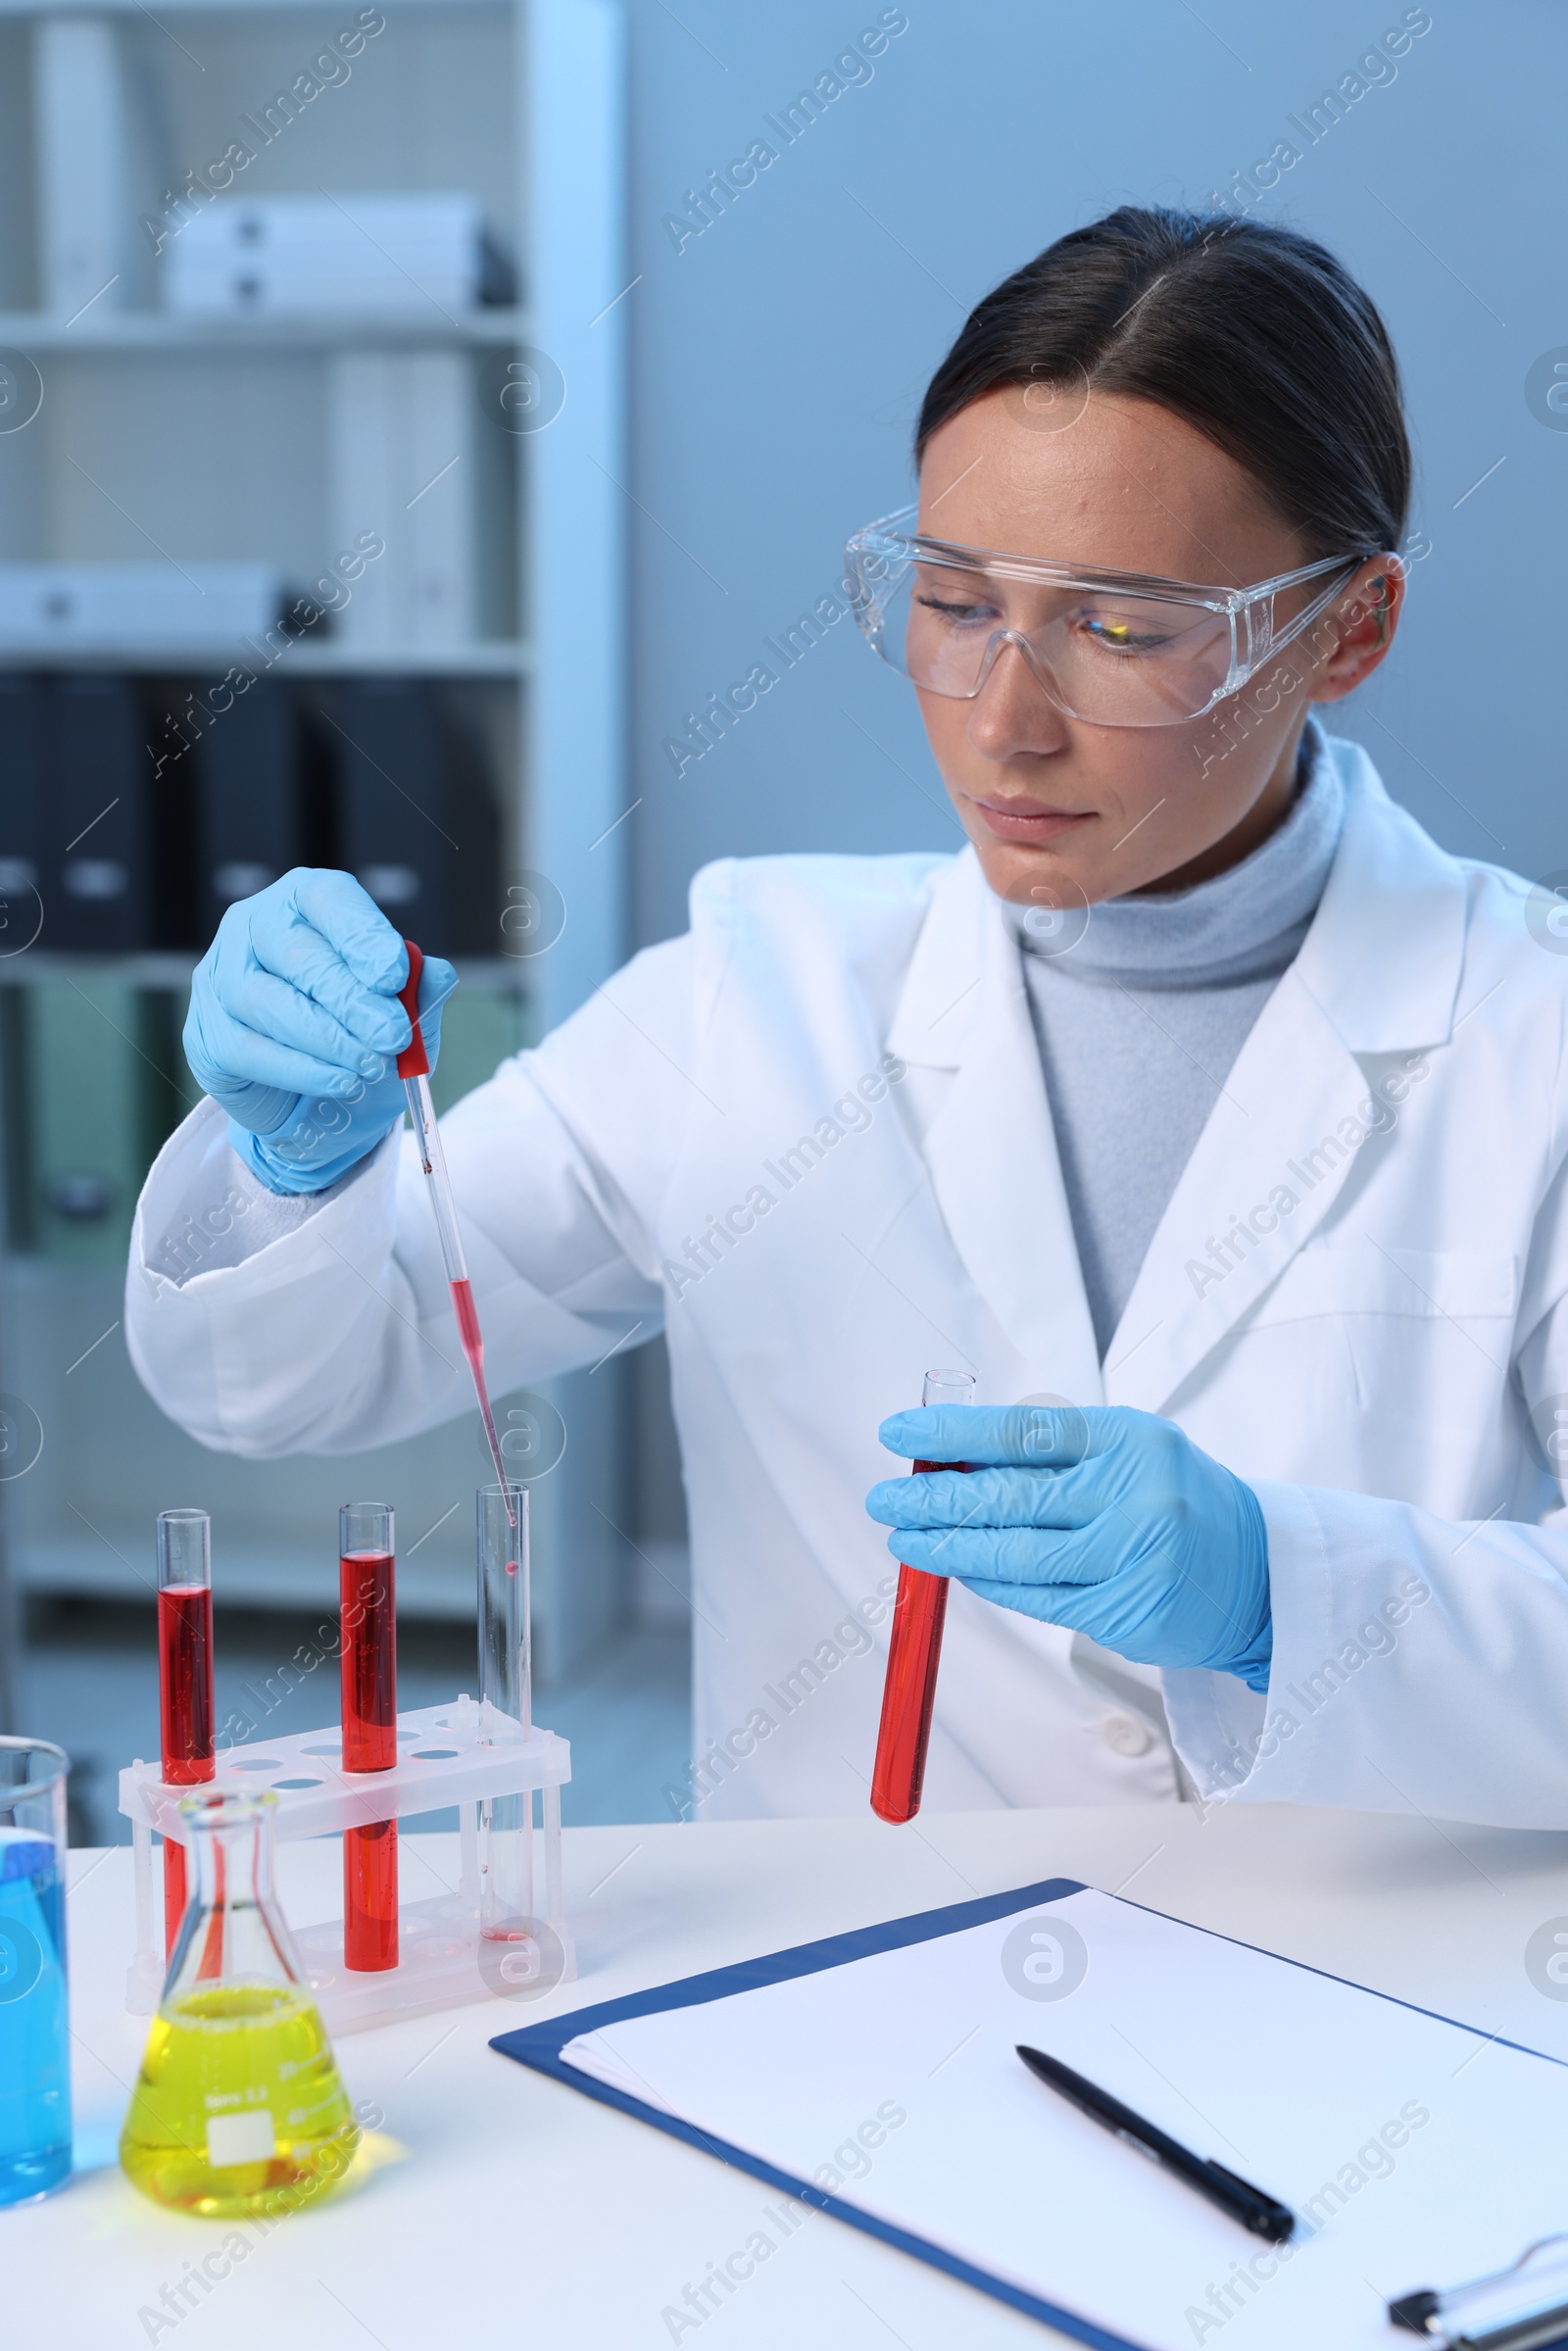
{"x":523,"y":2214}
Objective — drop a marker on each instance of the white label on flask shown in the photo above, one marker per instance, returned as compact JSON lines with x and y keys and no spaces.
{"x":246,"y":2138}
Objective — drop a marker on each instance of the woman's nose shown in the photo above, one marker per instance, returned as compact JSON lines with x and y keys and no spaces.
{"x":1013,"y":714}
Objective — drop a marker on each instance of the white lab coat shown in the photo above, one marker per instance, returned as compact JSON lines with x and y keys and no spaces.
{"x":811,"y":1138}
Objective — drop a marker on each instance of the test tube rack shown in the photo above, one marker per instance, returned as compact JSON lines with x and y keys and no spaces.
{"x":441,"y":1761}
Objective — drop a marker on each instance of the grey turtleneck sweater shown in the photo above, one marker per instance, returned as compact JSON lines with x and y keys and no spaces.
{"x":1140,"y":1022}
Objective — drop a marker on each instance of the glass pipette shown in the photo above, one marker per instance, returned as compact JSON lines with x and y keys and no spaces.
{"x":413,"y":1068}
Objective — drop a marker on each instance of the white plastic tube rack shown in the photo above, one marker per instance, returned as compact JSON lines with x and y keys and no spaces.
{"x":443,"y":1960}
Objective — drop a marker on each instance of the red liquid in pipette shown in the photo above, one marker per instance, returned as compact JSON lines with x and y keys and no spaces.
{"x":369,"y":1744}
{"x":468,"y":1315}
{"x":186,"y":1711}
{"x":413,"y":1068}
{"x":909,"y":1692}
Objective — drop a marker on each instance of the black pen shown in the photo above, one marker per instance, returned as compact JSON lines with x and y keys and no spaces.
{"x":1264,"y":2216}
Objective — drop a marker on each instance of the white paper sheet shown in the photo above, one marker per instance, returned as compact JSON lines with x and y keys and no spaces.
{"x":1414,"y":2152}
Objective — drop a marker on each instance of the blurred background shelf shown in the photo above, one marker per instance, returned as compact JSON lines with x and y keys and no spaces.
{"x":479,"y":975}
{"x":412,"y":480}
{"x":40,"y":332}
{"x":499,"y":657}
{"x":108,"y":1563}
{"x":98,"y":1564}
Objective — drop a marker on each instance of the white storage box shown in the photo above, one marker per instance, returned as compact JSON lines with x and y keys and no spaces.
{"x":135,"y":608}
{"x":357,"y":253}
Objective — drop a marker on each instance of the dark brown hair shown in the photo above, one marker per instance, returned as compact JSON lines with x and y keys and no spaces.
{"x":1253,"y":333}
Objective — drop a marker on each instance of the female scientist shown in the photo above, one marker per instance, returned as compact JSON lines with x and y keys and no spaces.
{"x":1202,"y":1108}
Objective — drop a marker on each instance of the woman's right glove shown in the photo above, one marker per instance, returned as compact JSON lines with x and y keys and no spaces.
{"x":1107,"y":1520}
{"x":294,"y":1026}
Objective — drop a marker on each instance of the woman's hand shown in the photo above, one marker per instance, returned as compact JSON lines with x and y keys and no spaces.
{"x":1107,"y":1520}
{"x":295,"y":1025}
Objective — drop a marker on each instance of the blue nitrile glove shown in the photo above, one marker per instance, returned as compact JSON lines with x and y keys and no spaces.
{"x":1106,"y":1520}
{"x":294,"y":1026}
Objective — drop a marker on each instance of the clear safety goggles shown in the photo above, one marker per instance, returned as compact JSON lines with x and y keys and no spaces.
{"x":1111,"y":647}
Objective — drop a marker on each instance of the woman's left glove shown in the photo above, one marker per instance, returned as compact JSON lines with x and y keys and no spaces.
{"x":1107,"y":1520}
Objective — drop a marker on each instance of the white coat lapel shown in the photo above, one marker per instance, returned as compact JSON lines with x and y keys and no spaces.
{"x":1278,"y":1147}
{"x":1378,"y":974}
{"x":990,"y":1149}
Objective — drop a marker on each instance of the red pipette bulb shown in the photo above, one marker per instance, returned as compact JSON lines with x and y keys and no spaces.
{"x":915,"y":1654}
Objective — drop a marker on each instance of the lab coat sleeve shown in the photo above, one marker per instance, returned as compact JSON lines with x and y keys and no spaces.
{"x":1418,"y":1667}
{"x":1419,"y":1662}
{"x":267,"y":1327}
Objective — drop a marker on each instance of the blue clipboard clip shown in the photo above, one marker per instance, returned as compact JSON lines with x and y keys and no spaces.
{"x":1522,"y":2307}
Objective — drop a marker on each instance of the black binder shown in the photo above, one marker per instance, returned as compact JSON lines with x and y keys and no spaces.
{"x":22,"y":848}
{"x":255,"y":813}
{"x":414,"y":823}
{"x":102,"y":888}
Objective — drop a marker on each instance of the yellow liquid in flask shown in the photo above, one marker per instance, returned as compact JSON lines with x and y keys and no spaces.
{"x":239,"y":2107}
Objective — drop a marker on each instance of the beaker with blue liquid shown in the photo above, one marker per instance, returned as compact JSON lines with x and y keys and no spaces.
{"x":34,"y":2037}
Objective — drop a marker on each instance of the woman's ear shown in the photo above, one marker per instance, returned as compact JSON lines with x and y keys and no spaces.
{"x":1363,"y":622}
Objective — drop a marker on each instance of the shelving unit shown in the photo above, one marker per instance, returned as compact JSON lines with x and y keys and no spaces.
{"x":488,"y":975}
{"x":181,"y":438}
{"x":39,"y":331}
{"x":499,"y":657}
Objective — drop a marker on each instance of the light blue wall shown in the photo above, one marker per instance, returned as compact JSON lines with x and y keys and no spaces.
{"x":778,"y":362}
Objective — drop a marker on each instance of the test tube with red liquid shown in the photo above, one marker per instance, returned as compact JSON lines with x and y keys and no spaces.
{"x":184,"y":1677}
{"x":366,"y":1549}
{"x":413,"y":1068}
{"x":914,"y":1653}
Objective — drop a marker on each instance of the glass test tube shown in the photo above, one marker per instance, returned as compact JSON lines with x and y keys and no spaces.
{"x":915,"y":1652}
{"x":365,"y":1548}
{"x":184,"y":1677}
{"x":506,"y":1707}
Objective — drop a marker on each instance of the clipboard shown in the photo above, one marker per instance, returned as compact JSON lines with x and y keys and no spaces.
{"x":1520,"y":2307}
{"x":540,"y":2048}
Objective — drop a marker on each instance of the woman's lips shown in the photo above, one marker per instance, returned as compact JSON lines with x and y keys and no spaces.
{"x":1018,"y":821}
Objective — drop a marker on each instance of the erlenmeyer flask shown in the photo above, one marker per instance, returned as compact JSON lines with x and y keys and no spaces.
{"x":239,"y":2107}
